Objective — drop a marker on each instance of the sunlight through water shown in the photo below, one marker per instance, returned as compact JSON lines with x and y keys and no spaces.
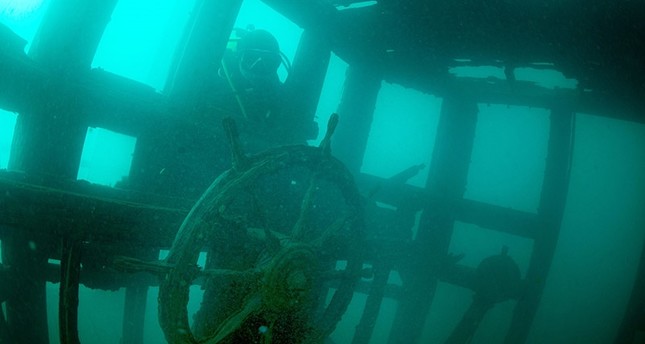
{"x":18,"y":8}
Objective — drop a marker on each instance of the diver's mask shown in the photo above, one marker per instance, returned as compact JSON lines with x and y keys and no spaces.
{"x":259,"y":65}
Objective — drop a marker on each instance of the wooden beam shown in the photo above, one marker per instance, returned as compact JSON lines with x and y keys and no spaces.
{"x":485,"y":215}
{"x":197,"y":57}
{"x":109,"y":101}
{"x":314,"y":15}
{"x":21,"y":80}
{"x":550,"y":212}
{"x":70,"y":269}
{"x":634,"y":317}
{"x":120,"y":104}
{"x":498,"y":218}
{"x":372,"y":308}
{"x":69,"y":35}
{"x":302,"y":89}
{"x":134,"y":314}
{"x":356,"y":111}
{"x":26,"y":308}
{"x":136,"y":298}
{"x":4,"y":329}
{"x":88,"y":216}
{"x":529,"y":94}
{"x":447,"y":180}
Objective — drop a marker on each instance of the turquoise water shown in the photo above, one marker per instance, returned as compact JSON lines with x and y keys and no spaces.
{"x":602,"y":233}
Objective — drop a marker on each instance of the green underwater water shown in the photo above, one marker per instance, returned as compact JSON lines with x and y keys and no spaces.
{"x":602,"y":233}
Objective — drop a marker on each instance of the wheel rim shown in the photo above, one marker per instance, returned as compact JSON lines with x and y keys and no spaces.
{"x":213,"y":211}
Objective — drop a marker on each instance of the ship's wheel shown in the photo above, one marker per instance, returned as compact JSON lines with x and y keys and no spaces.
{"x":282,"y":230}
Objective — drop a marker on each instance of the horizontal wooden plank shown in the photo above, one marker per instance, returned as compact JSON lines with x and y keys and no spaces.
{"x":96,"y":214}
{"x":488,"y":216}
{"x":498,"y":218}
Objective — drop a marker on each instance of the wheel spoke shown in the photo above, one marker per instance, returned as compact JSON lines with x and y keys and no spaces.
{"x":253,"y":305}
{"x":280,"y":265}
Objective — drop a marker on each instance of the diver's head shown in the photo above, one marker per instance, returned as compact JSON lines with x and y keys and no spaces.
{"x":259,"y":56}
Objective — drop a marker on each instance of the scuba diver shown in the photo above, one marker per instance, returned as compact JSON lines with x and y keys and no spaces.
{"x":249,"y":69}
{"x":243,"y":85}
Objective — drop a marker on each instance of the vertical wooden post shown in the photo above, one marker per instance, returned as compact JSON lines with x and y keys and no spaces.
{"x":446,"y":183}
{"x":365,"y":327}
{"x":136,"y":298}
{"x":634,"y":318}
{"x":550,"y":211}
{"x":70,"y":270}
{"x":302,"y":88}
{"x":70,"y":33}
{"x":195,"y":67}
{"x":4,"y":329}
{"x":198,"y":56}
{"x":27,"y":306}
{"x":356,"y":111}
{"x":48,"y":141}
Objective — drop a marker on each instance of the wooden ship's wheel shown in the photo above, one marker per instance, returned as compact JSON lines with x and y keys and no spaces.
{"x":276,"y":226}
